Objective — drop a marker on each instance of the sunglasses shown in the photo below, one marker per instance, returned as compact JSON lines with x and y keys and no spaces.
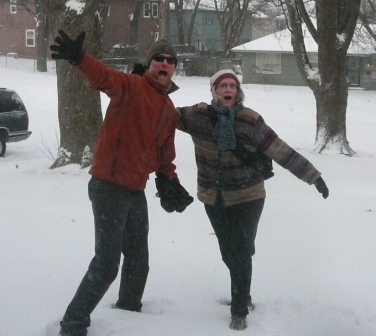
{"x":161,"y":58}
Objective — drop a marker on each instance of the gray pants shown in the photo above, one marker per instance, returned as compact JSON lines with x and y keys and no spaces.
{"x":236,"y":228}
{"x":121,"y":226}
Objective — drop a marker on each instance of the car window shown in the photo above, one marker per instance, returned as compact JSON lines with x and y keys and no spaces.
{"x":10,"y":101}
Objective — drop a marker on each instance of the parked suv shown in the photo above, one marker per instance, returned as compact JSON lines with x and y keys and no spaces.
{"x":14,"y":120}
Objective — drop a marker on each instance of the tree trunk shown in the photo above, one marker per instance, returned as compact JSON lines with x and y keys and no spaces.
{"x":335,"y":27}
{"x":331,"y":105}
{"x":79,"y":107}
{"x":334,"y":19}
{"x":332,"y":93}
{"x":37,"y":9}
{"x":179,"y":20}
{"x":80,"y":117}
{"x":134,"y":22}
{"x":43,"y":37}
{"x":192,"y":23}
{"x":231,"y":21}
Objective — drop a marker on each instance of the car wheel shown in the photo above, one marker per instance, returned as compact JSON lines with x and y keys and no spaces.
{"x":3,"y":147}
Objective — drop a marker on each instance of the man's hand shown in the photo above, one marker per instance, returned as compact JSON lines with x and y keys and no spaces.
{"x":173,"y":195}
{"x":166,"y":192}
{"x":321,"y":187}
{"x":68,"y":49}
{"x":183,"y":197}
{"x":202,"y":106}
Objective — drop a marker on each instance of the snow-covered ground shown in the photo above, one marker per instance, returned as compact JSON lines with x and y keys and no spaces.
{"x":314,"y":268}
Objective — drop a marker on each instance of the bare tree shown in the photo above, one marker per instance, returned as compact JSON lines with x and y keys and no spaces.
{"x":267,"y":18}
{"x":192,"y":22}
{"x":336,"y":21}
{"x":231,"y":15}
{"x":134,"y":21}
{"x":367,"y":17}
{"x":79,"y":107}
{"x":180,"y":6}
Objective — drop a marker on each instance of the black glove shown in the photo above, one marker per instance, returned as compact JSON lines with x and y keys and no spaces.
{"x":172,"y":194}
{"x":166,"y":192}
{"x":139,"y":69}
{"x":68,"y":49}
{"x":321,"y":187}
{"x":183,"y":199}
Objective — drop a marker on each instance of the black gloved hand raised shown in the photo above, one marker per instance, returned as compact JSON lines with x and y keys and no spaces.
{"x":172,"y":194}
{"x":321,"y":187}
{"x":69,"y":49}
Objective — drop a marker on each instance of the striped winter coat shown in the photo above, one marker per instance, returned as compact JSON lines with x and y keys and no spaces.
{"x":222,"y":170}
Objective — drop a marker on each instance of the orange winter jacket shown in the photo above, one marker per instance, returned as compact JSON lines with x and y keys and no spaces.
{"x":137,"y":135}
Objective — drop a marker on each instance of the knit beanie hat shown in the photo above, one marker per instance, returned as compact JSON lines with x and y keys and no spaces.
{"x":221,"y":75}
{"x":161,"y":47}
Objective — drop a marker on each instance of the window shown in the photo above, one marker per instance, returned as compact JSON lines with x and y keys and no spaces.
{"x":154,"y":10}
{"x":268,"y":63}
{"x":30,"y":37}
{"x":151,"y":9}
{"x":208,"y":20}
{"x":13,"y":6}
{"x":10,"y":101}
{"x":147,"y":9}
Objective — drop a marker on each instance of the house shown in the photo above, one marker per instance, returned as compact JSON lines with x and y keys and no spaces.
{"x":271,"y":60}
{"x":206,"y":33}
{"x":206,"y":40}
{"x":117,"y":30}
{"x":17,"y":31}
{"x":18,"y":27}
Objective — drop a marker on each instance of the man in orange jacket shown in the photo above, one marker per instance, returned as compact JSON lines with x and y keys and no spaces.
{"x":136,"y":139}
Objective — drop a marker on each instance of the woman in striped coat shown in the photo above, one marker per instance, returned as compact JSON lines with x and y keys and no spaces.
{"x":233,"y":193}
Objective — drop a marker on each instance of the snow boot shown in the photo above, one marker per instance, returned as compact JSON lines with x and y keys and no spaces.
{"x":63,"y":333}
{"x":77,"y":332}
{"x":119,"y":305}
{"x":238,"y":323}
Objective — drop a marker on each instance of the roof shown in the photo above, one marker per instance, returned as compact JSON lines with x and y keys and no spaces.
{"x":280,"y":42}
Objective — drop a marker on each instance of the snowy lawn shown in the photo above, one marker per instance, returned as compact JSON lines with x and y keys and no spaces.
{"x":314,"y":268}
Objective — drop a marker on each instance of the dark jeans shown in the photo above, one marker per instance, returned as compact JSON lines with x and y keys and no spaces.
{"x":121,"y":226}
{"x":236,"y":228}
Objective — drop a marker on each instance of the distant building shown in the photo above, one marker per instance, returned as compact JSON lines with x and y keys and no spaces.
{"x":18,"y":27}
{"x":206,"y":35}
{"x":271,"y":60}
{"x":117,"y":31}
{"x":17,"y":31}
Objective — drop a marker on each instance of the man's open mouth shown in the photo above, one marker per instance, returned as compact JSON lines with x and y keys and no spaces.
{"x":227,"y":97}
{"x":162,"y":73}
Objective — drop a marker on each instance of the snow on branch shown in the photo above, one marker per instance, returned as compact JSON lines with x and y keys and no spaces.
{"x":77,"y":5}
